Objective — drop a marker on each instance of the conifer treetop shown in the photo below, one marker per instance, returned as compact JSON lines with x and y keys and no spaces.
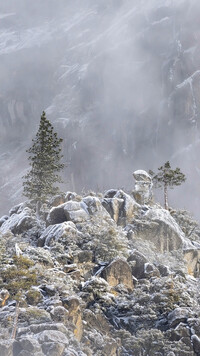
{"x":44,"y":158}
{"x":167,"y":176}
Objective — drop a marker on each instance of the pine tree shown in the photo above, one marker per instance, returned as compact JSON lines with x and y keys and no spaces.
{"x":45,"y":156}
{"x":167,"y":178}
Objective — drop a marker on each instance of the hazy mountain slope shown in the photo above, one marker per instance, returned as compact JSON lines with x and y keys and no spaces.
{"x":119,"y":81}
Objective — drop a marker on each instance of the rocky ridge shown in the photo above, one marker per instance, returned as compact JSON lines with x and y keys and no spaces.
{"x":111,"y":274}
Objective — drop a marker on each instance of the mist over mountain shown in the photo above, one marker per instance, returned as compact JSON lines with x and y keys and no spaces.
{"x":119,"y":80}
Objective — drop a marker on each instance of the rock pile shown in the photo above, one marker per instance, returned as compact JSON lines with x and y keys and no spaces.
{"x":113,"y":275}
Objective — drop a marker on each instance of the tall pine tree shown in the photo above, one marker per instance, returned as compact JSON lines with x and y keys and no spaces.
{"x":45,"y":156}
{"x":167,"y":178}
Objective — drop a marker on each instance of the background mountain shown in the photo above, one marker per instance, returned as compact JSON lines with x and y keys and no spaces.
{"x":119,"y":80}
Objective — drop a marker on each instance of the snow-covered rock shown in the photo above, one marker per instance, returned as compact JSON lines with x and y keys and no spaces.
{"x":159,"y":227}
{"x":6,"y":348}
{"x":118,"y":272}
{"x":192,"y":258}
{"x":57,"y":232}
{"x":39,"y":255}
{"x":143,"y":187}
{"x":3,"y":219}
{"x":196,"y":344}
{"x":150,"y":270}
{"x":93,"y":206}
{"x":137,"y":262}
{"x":56,"y":215}
{"x":121,"y":206}
{"x":74,"y":212}
{"x":18,"y":223}
{"x":177,"y":316}
{"x":113,"y":206}
{"x":72,"y":304}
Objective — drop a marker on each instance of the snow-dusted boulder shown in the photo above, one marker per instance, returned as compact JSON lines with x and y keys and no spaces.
{"x":6,"y":347}
{"x":53,"y":336}
{"x":96,"y":285}
{"x":113,"y":206}
{"x":74,"y":211}
{"x":29,"y":344}
{"x":3,"y":219}
{"x":93,"y":206}
{"x":72,"y":304}
{"x":177,"y":316}
{"x":143,"y":187}
{"x":71,"y":211}
{"x":70,"y":196}
{"x":121,"y":206}
{"x":17,"y":209}
{"x":77,"y":211}
{"x":192,"y":258}
{"x":20,"y":222}
{"x":57,"y":200}
{"x":150,"y":270}
{"x":118,"y":272}
{"x":56,"y":215}
{"x":137,"y":262}
{"x":159,"y":227}
{"x":57,"y":232}
{"x":196,"y":344}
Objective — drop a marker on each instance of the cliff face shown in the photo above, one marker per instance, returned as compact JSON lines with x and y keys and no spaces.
{"x":119,"y":81}
{"x":99,"y":275}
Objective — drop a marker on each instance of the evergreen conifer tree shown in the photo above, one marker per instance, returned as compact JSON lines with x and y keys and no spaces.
{"x":45,"y":155}
{"x":167,"y":178}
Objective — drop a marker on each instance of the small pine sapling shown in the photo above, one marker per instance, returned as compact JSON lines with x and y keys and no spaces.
{"x":167,"y":178}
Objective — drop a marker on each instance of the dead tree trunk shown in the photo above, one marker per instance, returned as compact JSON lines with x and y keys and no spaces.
{"x":166,"y":197}
{"x":14,"y":330}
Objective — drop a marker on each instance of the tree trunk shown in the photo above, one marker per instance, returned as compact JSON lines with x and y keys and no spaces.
{"x":38,"y":207}
{"x":14,"y":330}
{"x":166,"y":197}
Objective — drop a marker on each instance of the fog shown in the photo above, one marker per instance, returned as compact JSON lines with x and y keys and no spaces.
{"x":118,"y":79}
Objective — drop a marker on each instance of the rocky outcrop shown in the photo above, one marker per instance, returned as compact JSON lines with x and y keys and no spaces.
{"x":158,"y":226}
{"x":121,"y":206}
{"x":72,"y":304}
{"x":19,"y":221}
{"x":137,"y":262}
{"x":77,"y":212}
{"x":64,"y":231}
{"x":143,"y":187}
{"x":118,"y":272}
{"x":6,"y":348}
{"x":177,"y":316}
{"x":70,"y":211}
{"x":45,"y":339}
{"x":192,"y":258}
{"x":110,"y":277}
